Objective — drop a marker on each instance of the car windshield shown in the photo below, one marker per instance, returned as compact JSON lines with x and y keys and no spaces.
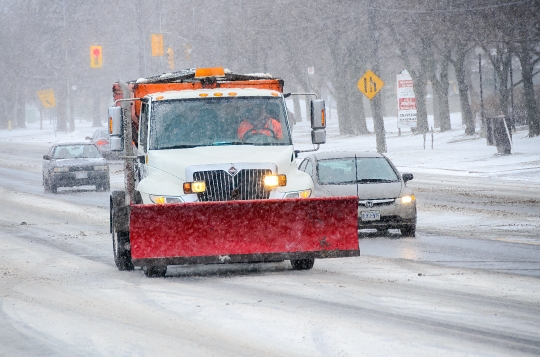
{"x":217,"y":121}
{"x":76,"y":151}
{"x":343,"y":171}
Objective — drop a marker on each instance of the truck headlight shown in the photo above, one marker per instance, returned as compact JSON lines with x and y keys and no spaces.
{"x":407,"y":199}
{"x":194,"y":187}
{"x":298,"y":194}
{"x":61,"y":169}
{"x":100,"y":168}
{"x":272,"y":181}
{"x":165,"y":199}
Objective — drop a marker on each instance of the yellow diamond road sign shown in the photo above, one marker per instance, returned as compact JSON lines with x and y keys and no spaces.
{"x":370,"y":84}
{"x":47,"y":98}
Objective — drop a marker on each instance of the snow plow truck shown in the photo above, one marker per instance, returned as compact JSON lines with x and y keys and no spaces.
{"x":204,"y":186}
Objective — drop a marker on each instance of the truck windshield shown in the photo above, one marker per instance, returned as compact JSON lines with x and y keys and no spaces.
{"x":185,"y":123}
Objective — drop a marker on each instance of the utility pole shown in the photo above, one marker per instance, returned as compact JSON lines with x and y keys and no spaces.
{"x":376,"y":104}
{"x":68,"y":72}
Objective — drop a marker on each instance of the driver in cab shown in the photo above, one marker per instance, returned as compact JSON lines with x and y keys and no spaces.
{"x":260,"y":123}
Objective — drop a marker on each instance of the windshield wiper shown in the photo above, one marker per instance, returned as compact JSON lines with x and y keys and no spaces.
{"x":375,"y":180}
{"x":217,"y":143}
{"x":179,"y":147}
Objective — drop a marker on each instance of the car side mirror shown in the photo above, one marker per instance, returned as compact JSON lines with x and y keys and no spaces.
{"x":88,"y":138}
{"x":46,"y":157}
{"x":407,"y":177}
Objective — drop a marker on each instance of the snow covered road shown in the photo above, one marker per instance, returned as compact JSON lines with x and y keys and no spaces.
{"x":60,"y":293}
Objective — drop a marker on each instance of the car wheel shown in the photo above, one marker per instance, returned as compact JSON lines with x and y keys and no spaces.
{"x":408,"y":231}
{"x":302,"y":264}
{"x":155,"y":272}
{"x":122,"y":256}
{"x":46,"y":185}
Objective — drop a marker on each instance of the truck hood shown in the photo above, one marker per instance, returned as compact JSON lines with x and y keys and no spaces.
{"x":367,"y":191}
{"x":176,"y":161}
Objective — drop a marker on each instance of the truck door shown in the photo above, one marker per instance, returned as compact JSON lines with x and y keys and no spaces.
{"x":142,"y":149}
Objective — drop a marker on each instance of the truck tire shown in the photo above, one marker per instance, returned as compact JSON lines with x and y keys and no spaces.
{"x":155,"y":272}
{"x":302,"y":264}
{"x":120,"y":237}
{"x":408,"y":231}
{"x":122,"y":256}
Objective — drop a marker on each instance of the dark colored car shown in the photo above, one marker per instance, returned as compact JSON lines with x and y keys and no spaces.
{"x":75,"y":164}
{"x":100,"y":138}
{"x":384,"y":200}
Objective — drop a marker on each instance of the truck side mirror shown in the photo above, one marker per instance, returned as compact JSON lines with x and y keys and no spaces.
{"x":318,"y":121}
{"x":46,"y":157}
{"x":116,"y":129}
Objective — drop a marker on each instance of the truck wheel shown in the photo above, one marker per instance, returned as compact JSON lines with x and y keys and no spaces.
{"x":302,"y":264}
{"x":53,"y":188}
{"x":122,"y":256}
{"x":155,"y":272}
{"x":408,"y":231}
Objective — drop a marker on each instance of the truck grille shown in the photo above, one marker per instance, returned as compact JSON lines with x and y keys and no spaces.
{"x":247,"y":184}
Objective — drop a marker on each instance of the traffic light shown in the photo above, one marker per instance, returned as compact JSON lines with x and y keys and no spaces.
{"x":170,"y":57}
{"x":187,"y":50}
{"x":96,"y":57}
{"x":157,"y":45}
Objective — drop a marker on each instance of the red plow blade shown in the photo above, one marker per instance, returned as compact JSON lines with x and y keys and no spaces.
{"x":244,"y":231}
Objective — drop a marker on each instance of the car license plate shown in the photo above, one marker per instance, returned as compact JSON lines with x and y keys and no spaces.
{"x":81,"y":175}
{"x":371,"y":216}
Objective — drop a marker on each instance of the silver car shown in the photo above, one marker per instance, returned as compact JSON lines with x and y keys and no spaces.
{"x":101,"y":139}
{"x":384,"y":200}
{"x":75,"y":164}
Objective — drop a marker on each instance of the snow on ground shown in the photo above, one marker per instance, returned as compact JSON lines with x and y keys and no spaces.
{"x":453,"y":153}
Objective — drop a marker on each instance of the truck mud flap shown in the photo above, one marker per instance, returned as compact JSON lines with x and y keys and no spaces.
{"x":244,"y":231}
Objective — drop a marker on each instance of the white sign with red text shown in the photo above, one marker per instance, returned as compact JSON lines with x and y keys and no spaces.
{"x":406,"y":101}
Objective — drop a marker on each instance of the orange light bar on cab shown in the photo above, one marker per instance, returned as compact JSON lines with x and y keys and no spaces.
{"x":209,"y":72}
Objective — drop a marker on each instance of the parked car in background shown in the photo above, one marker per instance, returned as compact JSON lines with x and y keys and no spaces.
{"x":101,"y":139}
{"x":384,"y":200}
{"x":75,"y":164}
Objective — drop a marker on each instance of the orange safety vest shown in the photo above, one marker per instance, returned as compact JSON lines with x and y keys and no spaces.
{"x":272,"y":124}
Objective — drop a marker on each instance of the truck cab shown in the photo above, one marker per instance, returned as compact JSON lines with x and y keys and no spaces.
{"x":216,"y":140}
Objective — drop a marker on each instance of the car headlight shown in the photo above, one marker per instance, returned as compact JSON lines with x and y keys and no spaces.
{"x":298,"y":194}
{"x":165,"y":199}
{"x":61,"y":169}
{"x":407,"y":199}
{"x":100,"y":168}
